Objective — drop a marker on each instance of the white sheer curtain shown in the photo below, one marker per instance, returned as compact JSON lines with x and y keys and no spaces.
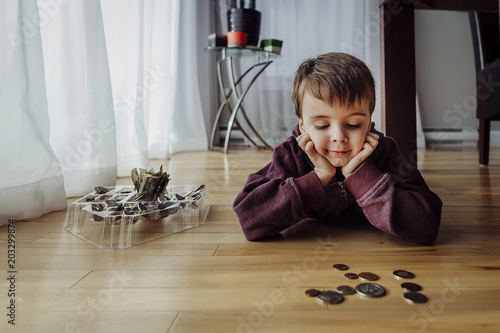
{"x":154,"y":49}
{"x":31,"y":179}
{"x":79,"y":93}
{"x":71,"y":118}
{"x":307,"y":29}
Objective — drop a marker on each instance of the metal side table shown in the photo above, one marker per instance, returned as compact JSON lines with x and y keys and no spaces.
{"x":232,"y":99}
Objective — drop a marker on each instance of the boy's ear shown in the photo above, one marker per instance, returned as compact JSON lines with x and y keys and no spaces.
{"x":370,"y":127}
{"x":302,"y":127}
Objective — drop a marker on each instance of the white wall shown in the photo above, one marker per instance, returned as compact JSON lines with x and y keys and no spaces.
{"x":445,"y":71}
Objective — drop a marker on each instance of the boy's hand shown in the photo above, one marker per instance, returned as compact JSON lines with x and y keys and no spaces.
{"x":371,"y":142}
{"x":324,"y":169}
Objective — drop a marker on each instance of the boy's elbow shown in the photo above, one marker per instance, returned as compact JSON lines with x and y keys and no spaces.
{"x":428,"y":235}
{"x":251,"y":238}
{"x":251,"y":234}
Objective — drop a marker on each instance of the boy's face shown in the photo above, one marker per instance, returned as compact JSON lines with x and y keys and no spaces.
{"x":338,"y":132}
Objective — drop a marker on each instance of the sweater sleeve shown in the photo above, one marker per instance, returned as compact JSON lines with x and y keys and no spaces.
{"x":281,"y":194}
{"x":394,"y":196}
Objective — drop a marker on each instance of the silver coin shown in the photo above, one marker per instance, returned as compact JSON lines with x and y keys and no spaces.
{"x":346,"y":290}
{"x":402,"y":274}
{"x":409,"y":286}
{"x":414,"y":297}
{"x":330,"y":297}
{"x":368,"y":276}
{"x":370,"y":290}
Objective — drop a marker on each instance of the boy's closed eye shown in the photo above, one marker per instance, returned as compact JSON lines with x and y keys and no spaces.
{"x":349,"y":126}
{"x":321,"y":127}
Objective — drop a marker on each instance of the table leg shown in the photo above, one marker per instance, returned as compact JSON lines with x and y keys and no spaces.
{"x":225,"y":103}
{"x":237,"y":101}
{"x":398,"y":76}
{"x":240,"y":100}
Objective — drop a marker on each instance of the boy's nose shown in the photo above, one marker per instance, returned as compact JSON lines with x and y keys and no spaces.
{"x":338,"y":136}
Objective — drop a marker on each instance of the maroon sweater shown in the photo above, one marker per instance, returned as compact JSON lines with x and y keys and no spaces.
{"x":386,"y":188}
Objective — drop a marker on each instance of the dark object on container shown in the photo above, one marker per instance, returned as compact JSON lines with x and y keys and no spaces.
{"x":271,"y":45}
{"x":245,"y":20}
{"x":215,"y":40}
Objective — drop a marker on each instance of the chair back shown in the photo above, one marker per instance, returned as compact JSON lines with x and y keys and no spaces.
{"x":485,"y":31}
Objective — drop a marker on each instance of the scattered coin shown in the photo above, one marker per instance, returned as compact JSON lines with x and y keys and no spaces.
{"x":312,"y":292}
{"x":402,"y":274}
{"x":101,"y":190}
{"x":370,"y":290}
{"x":408,"y":286}
{"x":346,"y":290}
{"x":331,"y":297}
{"x":368,"y":276}
{"x":352,"y":276}
{"x":414,"y":297}
{"x":341,"y":267}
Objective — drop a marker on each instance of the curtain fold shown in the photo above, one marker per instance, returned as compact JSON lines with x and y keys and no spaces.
{"x":79,"y":95}
{"x":31,"y":181}
{"x":155,"y":78}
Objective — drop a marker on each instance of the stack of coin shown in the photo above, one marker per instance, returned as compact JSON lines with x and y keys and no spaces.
{"x":412,"y":294}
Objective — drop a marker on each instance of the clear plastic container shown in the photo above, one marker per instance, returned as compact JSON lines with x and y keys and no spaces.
{"x":115,"y":220}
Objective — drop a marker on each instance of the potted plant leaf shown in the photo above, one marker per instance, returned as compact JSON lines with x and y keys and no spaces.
{"x":245,"y":20}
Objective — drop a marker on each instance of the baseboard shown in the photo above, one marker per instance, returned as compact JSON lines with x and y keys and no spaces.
{"x":237,"y":137}
{"x":495,"y":138}
{"x":457,"y":137}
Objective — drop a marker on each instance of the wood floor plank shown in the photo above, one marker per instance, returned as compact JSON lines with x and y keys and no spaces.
{"x":276,"y":321}
{"x":211,"y":279}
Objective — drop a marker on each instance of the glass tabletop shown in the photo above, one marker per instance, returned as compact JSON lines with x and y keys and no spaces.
{"x":242,"y":52}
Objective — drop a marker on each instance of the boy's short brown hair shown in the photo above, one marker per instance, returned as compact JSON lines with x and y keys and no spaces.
{"x":331,"y":77}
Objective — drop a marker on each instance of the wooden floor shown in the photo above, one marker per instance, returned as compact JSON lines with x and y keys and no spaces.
{"x":210,"y":279}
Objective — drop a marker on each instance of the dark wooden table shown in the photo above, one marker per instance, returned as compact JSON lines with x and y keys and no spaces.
{"x":398,"y":84}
